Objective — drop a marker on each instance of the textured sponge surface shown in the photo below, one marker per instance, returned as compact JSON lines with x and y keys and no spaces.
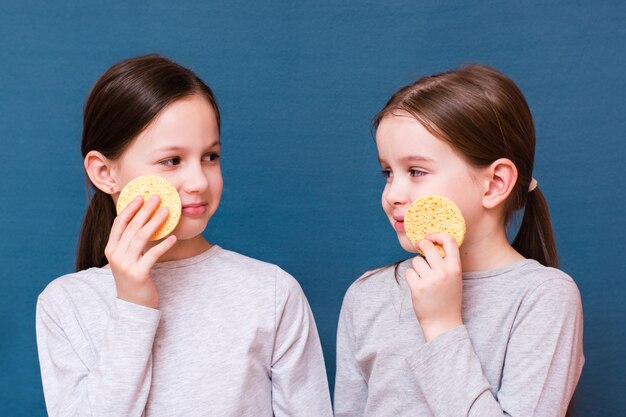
{"x":146,"y":186}
{"x":434,"y":214}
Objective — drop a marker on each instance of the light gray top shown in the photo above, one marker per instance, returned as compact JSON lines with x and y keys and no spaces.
{"x":519,"y":352}
{"x":233,"y":336}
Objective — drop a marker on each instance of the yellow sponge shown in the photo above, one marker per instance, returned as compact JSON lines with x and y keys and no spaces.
{"x":434,"y":214}
{"x":146,"y":186}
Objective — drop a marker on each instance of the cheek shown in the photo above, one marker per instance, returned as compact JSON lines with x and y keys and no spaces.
{"x":469,"y":201}
{"x":216,"y":184}
{"x":130,"y":166}
{"x":383,"y":200}
{"x":124,"y":177}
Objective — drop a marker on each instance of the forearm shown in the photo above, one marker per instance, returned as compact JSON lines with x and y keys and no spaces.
{"x":117,"y":382}
{"x":450,"y":375}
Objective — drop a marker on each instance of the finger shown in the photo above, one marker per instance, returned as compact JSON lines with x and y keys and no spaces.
{"x":431,"y":254}
{"x":412,"y":278}
{"x":146,"y":212}
{"x":142,"y":237}
{"x":421,"y":267}
{"x":140,"y":219}
{"x":449,"y":244}
{"x":153,"y":255}
{"x":122,"y":220}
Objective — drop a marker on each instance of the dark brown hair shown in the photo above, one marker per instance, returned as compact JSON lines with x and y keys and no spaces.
{"x":121,"y":104}
{"x":483,"y":115}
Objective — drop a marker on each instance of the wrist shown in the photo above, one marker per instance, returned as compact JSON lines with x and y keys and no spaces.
{"x":140,"y":296}
{"x":435,"y":328}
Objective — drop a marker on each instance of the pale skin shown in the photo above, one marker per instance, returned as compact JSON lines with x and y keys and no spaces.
{"x":417,"y":163}
{"x":181,"y":145}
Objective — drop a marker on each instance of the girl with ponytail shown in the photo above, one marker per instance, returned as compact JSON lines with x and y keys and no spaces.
{"x":492,"y":328}
{"x":178,"y":326}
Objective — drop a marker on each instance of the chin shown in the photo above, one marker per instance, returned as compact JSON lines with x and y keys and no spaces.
{"x":406,"y":244}
{"x":188,"y":231}
{"x":185,"y":237}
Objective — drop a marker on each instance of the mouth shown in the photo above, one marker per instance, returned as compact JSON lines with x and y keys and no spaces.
{"x":398,"y":224}
{"x":195,"y":209}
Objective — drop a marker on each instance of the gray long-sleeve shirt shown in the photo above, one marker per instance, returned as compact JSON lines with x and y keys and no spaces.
{"x":232,"y":337}
{"x":519,"y":352}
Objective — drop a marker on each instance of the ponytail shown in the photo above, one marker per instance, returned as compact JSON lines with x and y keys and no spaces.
{"x":94,"y":233}
{"x":535,"y":238}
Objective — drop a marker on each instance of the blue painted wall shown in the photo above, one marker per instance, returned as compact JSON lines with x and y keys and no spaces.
{"x":298,"y":85}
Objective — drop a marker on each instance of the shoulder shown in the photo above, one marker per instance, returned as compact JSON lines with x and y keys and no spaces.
{"x":78,"y":292}
{"x":237,"y":262}
{"x":540,"y":277}
{"x":261,"y":272}
{"x":550,"y":287}
{"x":522,"y":278}
{"x":78,"y":284}
{"x":375,"y":282}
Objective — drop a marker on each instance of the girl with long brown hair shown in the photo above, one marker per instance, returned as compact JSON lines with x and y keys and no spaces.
{"x":179,"y":326}
{"x":492,"y":328}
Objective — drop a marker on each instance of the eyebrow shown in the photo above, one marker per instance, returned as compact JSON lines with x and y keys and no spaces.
{"x":182,"y":148}
{"x":414,"y":158}
{"x":417,"y":158}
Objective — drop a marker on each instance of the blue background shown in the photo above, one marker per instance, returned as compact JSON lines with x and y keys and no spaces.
{"x":298,"y":85}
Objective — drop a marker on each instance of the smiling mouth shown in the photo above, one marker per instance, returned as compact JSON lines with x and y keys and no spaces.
{"x":194,"y":205}
{"x":399,"y":224}
{"x":196,"y":209}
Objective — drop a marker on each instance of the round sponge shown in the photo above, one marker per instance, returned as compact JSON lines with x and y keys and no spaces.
{"x":146,"y":186}
{"x":434,"y":214}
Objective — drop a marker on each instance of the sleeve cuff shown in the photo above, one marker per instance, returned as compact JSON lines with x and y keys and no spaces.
{"x":125,"y":310}
{"x":424,"y":354}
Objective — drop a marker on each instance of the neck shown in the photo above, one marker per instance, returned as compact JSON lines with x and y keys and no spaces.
{"x":488,"y":250}
{"x":184,"y":249}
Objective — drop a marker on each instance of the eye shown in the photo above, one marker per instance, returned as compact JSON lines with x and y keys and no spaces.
{"x":414,"y":172}
{"x":170,"y":161}
{"x":211,"y":157}
{"x":386,"y":173}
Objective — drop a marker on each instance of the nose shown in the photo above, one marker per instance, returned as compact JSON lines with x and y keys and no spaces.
{"x":396,"y":192}
{"x":194,"y":180}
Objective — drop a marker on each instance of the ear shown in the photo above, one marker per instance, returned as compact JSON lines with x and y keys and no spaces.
{"x":500,"y":179}
{"x":99,"y":169}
